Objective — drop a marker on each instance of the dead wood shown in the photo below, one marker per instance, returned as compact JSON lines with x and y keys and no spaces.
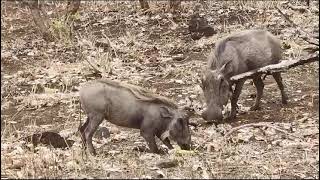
{"x":258,"y":125}
{"x":72,"y":8}
{"x":304,"y":35}
{"x":94,"y":67}
{"x":41,"y":20}
{"x":301,"y":9}
{"x":144,"y":4}
{"x":174,"y":5}
{"x":282,"y":66}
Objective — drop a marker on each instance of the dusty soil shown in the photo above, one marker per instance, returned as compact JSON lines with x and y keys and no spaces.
{"x":40,"y":81}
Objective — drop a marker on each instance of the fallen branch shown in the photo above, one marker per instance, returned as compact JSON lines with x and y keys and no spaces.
{"x":95,"y":68}
{"x":11,"y":119}
{"x":40,"y":20}
{"x":311,"y":49}
{"x":282,"y":66}
{"x":144,"y":4}
{"x":73,"y":7}
{"x":304,"y":35}
{"x":258,"y":125}
{"x":301,"y":9}
{"x":308,"y":41}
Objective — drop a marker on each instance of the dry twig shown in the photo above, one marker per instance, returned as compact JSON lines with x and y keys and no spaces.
{"x":257,"y":125}
{"x":95,"y":68}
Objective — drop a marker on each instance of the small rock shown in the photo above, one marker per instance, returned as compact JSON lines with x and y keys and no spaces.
{"x":17,"y":164}
{"x":179,"y":81}
{"x":71,"y":164}
{"x":287,"y":126}
{"x":113,"y":152}
{"x":178,"y":57}
{"x":149,"y":156}
{"x":197,"y":167}
{"x":205,"y":174}
{"x":276,"y":142}
{"x":160,"y":174}
{"x":140,"y":148}
{"x":114,"y":130}
{"x":5,"y":54}
{"x":245,"y":137}
{"x":30,"y":53}
{"x":146,"y":177}
{"x":193,"y":96}
{"x":213,"y":147}
{"x":168,"y":163}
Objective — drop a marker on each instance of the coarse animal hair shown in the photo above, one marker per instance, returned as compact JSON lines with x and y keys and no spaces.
{"x":140,"y":93}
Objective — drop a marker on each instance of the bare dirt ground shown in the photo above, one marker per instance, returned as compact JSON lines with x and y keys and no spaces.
{"x":40,"y":81}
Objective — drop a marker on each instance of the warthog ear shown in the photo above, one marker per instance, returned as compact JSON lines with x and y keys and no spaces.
{"x":226,"y":69}
{"x":165,"y":112}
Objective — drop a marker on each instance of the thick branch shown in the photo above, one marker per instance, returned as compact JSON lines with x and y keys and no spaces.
{"x":40,"y":20}
{"x":174,"y":4}
{"x":282,"y":66}
{"x":304,"y":35}
{"x":73,"y":7}
{"x":144,"y":4}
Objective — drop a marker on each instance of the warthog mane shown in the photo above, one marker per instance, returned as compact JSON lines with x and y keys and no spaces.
{"x":140,"y":93}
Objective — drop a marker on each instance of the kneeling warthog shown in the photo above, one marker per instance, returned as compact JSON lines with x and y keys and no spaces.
{"x":236,"y":54}
{"x":131,"y":106}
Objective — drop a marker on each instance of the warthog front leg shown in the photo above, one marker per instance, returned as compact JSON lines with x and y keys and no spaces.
{"x":148,"y":135}
{"x":167,"y":143}
{"x":258,"y":83}
{"x":234,"y":99}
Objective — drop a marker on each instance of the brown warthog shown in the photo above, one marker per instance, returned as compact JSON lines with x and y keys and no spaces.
{"x":131,"y":106}
{"x":236,"y":54}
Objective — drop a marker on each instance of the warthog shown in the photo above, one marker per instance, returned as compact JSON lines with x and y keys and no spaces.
{"x":131,"y":106}
{"x":236,"y":54}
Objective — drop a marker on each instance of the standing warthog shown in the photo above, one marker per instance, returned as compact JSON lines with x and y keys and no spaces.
{"x":131,"y":106}
{"x":236,"y":54}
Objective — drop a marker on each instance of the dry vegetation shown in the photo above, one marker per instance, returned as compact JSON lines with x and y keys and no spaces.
{"x":40,"y":82}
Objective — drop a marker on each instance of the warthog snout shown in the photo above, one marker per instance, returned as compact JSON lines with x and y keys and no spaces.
{"x":212,"y":114}
{"x":185,"y":146}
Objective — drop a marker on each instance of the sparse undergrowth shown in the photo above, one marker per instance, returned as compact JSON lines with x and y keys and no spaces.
{"x":40,"y":81}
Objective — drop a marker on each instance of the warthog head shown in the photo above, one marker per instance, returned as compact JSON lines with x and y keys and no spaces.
{"x":178,"y":129}
{"x":217,"y":91}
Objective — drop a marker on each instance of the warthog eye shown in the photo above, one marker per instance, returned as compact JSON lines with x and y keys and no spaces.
{"x":220,"y":84}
